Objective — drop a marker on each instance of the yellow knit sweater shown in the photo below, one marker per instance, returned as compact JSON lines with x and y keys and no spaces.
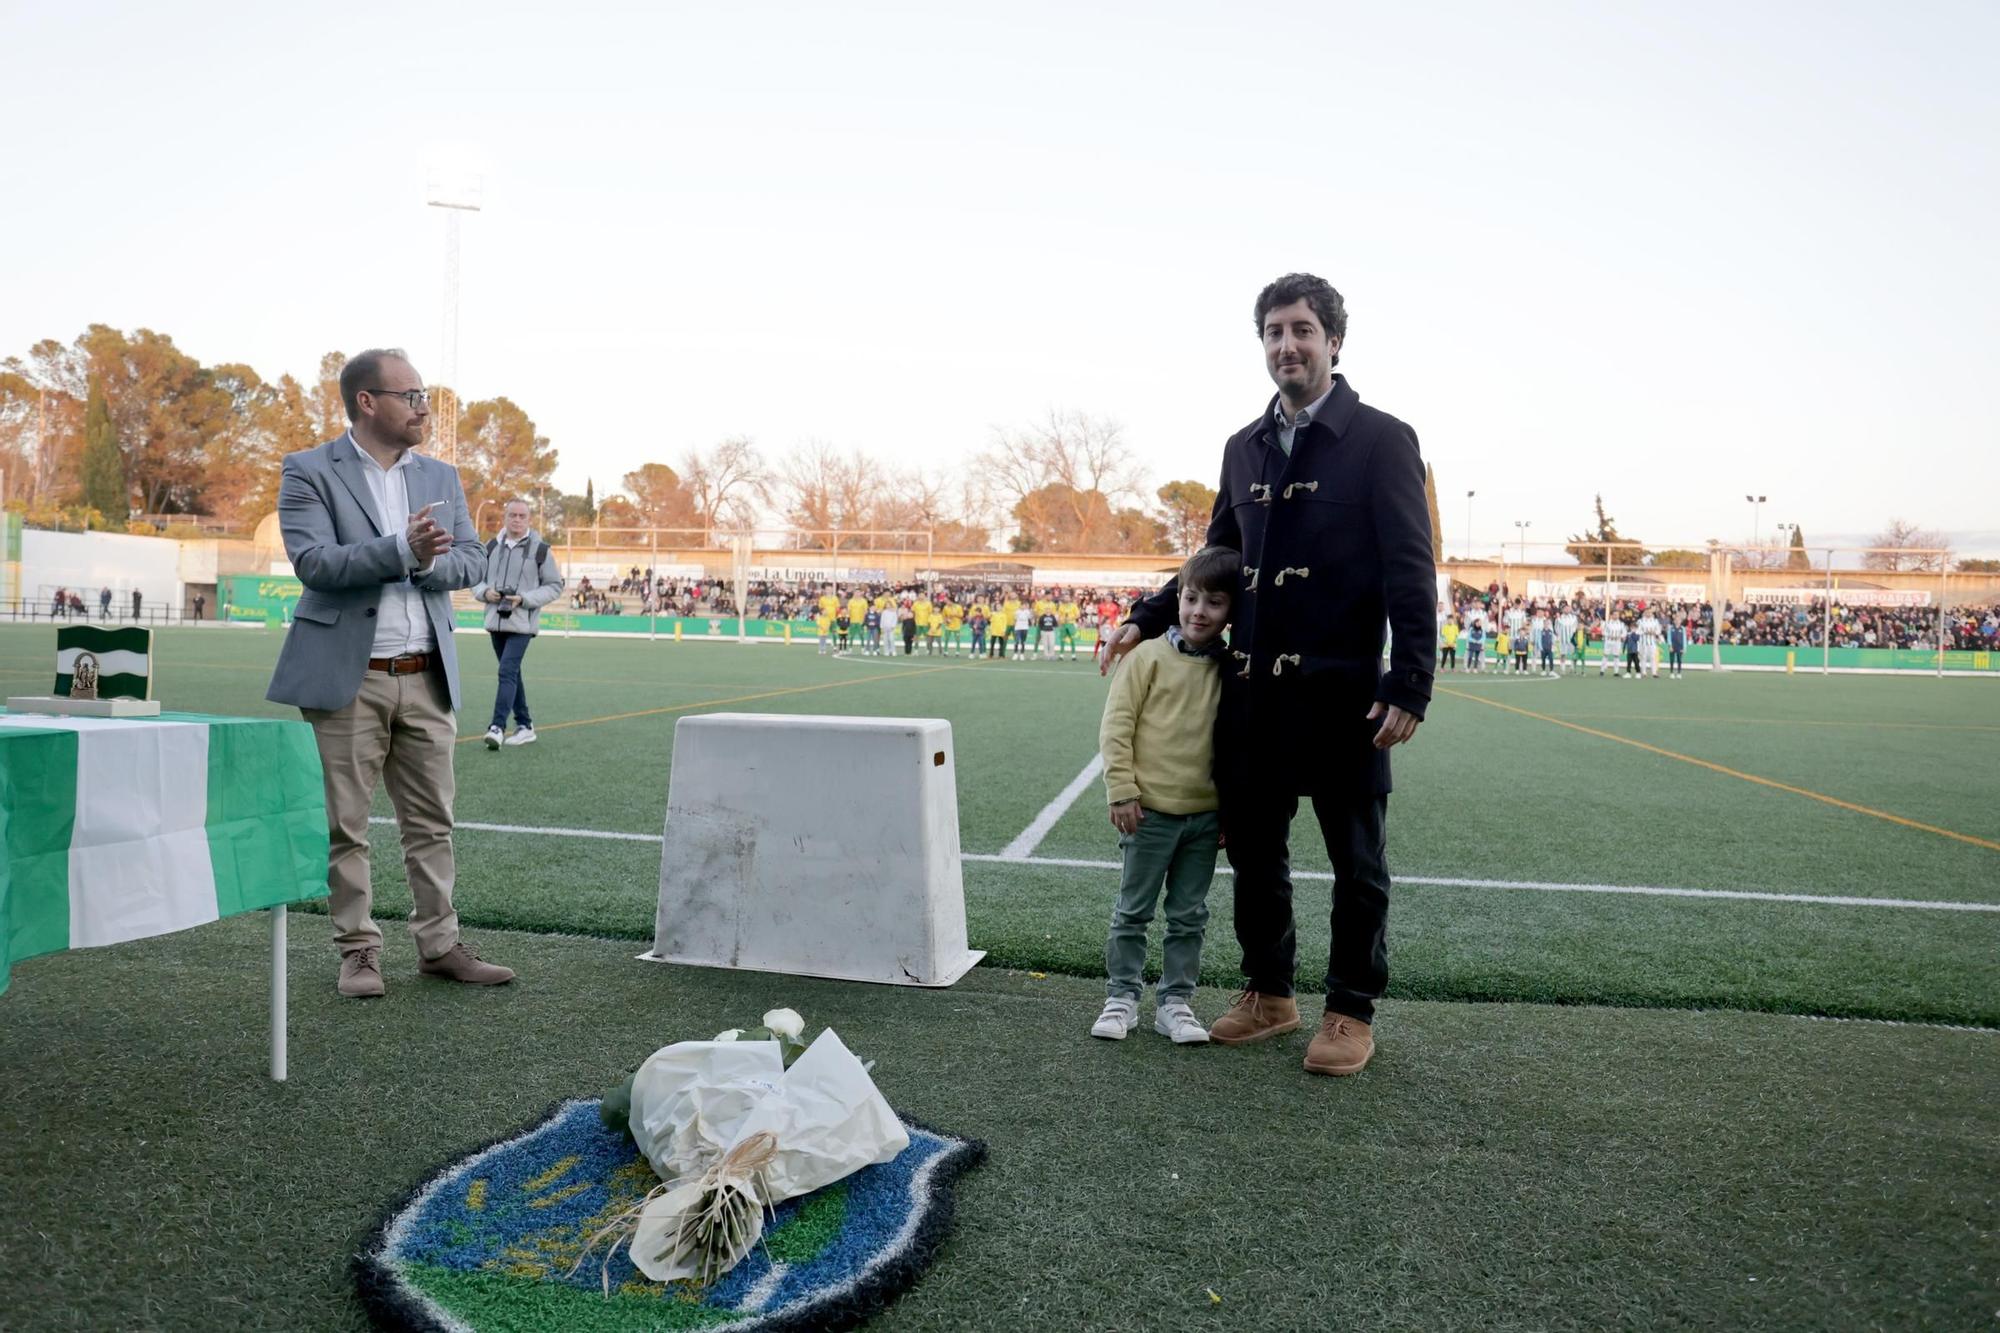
{"x":1158,"y":735}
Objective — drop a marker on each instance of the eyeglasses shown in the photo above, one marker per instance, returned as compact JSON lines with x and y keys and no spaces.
{"x":414,"y":397}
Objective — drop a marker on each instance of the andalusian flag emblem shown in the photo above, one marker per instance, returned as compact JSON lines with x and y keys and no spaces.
{"x":123,"y":828}
{"x":118,"y":662}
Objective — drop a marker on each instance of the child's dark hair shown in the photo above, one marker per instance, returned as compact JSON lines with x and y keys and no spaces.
{"x":1213,"y":569}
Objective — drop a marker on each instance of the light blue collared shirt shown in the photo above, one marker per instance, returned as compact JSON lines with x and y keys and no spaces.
{"x":1288,"y":430}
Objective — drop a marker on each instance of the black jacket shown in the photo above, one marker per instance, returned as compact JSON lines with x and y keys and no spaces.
{"x":1336,"y":543}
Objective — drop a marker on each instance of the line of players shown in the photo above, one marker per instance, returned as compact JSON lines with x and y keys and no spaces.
{"x":1556,"y":642}
{"x":1009,"y":628}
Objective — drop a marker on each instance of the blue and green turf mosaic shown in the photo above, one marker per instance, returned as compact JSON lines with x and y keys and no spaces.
{"x":489,"y":1242}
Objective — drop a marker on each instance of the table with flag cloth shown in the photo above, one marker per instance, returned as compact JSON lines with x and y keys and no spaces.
{"x":116,"y":829}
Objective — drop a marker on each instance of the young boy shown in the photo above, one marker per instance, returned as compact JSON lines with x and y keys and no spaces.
{"x":1158,"y":744}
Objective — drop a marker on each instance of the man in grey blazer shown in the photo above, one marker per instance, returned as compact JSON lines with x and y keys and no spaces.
{"x":379,"y":536}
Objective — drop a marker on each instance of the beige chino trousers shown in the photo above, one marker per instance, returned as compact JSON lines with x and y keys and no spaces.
{"x":400,"y":731}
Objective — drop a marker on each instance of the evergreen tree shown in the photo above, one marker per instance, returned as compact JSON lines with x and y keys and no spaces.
{"x":1797,"y":557}
{"x":1603,"y":545}
{"x":103,"y":462}
{"x":589,"y":500}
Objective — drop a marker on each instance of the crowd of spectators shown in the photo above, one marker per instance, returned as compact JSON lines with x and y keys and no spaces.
{"x":1798,"y":625}
{"x":1803,"y":625}
{"x":773,"y":599}
{"x":1763,"y":624}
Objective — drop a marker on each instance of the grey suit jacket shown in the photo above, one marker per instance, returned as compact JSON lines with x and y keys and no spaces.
{"x":343,"y":557}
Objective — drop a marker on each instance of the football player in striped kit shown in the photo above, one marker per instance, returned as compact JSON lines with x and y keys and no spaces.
{"x":1614,"y":646}
{"x":1649,"y":644}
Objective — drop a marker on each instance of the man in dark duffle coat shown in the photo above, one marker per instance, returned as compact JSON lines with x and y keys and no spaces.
{"x":1324,"y":496}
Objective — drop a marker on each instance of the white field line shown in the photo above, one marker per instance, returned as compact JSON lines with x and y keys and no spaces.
{"x":986,"y":668}
{"x":1640,"y":890}
{"x":1429,"y":881}
{"x":605,"y":834}
{"x":1031,"y":837}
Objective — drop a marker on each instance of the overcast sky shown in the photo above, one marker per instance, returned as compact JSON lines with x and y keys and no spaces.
{"x":1673,"y":252}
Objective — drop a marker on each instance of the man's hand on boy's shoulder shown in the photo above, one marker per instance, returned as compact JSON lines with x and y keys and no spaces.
{"x":1125,"y":817}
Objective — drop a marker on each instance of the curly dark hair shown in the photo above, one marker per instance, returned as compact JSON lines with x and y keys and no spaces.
{"x":1318,"y":292}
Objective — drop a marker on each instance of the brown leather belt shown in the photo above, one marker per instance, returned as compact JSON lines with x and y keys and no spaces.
{"x":409,"y":664}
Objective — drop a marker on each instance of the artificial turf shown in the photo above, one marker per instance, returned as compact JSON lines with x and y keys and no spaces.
{"x":1485,"y":792}
{"x":1498,"y":1166}
{"x":1503,"y":1164}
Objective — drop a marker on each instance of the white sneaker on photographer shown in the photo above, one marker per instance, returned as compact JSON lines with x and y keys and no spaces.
{"x":494,"y":738}
{"x":521,"y":736}
{"x":1120,"y":1016}
{"x":1174,"y":1019}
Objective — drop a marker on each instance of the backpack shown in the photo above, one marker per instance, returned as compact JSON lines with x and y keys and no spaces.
{"x":537,"y":552}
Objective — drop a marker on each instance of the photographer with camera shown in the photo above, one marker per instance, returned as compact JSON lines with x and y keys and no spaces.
{"x":521,"y":578}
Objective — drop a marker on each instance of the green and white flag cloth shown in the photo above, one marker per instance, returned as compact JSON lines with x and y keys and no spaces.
{"x":116,"y":829}
{"x":124,"y":659}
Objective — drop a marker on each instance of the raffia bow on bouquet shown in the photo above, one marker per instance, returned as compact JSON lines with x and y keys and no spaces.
{"x":734,"y":1133}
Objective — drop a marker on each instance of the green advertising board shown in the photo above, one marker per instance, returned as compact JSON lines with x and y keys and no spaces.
{"x":260,"y":598}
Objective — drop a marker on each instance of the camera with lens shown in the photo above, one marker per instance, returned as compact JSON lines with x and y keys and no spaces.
{"x":505,"y":594}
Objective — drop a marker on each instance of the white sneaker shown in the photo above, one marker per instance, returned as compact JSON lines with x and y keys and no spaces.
{"x":521,"y":736}
{"x":494,"y":737}
{"x":1174,"y":1019}
{"x":1120,"y":1016}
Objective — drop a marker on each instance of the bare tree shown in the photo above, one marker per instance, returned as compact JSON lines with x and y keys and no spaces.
{"x":805,"y":484}
{"x":1071,"y":472}
{"x":858,"y":492}
{"x":1904,"y":545}
{"x":727,"y":482}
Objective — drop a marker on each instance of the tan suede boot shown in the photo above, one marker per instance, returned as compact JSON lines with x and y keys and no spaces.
{"x":460,"y":963}
{"x":361,"y":974}
{"x":1341,"y":1046}
{"x":1255,"y":1017}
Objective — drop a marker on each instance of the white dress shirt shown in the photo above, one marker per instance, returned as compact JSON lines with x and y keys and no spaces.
{"x":401,"y":623}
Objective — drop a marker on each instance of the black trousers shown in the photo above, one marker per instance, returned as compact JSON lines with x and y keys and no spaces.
{"x":1258,"y":826}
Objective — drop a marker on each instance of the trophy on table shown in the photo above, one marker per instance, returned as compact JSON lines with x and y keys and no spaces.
{"x":100,"y":672}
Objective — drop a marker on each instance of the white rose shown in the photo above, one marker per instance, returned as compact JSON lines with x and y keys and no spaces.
{"x":786,"y":1023}
{"x":730,"y":1035}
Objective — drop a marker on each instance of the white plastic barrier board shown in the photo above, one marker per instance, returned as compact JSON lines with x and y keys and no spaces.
{"x":817,"y":846}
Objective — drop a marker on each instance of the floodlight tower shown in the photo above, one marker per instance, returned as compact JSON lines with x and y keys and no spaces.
{"x":456,"y":193}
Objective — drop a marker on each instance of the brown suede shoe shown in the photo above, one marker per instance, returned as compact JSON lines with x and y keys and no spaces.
{"x":361,"y":974}
{"x":1255,"y":1017}
{"x":1341,"y":1046}
{"x":460,"y":963}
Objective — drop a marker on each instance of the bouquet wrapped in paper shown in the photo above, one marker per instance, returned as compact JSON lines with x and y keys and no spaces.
{"x":736,"y":1133}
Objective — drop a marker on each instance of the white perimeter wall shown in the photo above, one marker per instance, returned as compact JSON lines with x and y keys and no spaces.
{"x":87,"y":561}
